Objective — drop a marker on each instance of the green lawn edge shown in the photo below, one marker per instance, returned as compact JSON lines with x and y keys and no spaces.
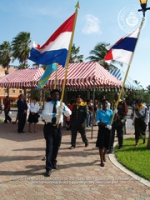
{"x":136,"y":159}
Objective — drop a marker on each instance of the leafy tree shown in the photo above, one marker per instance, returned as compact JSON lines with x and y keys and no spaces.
{"x":21,"y":49}
{"x":148,"y":89}
{"x":5,"y":55}
{"x":74,"y":57}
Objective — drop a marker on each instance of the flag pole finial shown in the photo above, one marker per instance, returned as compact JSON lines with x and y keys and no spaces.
{"x":77,"y":5}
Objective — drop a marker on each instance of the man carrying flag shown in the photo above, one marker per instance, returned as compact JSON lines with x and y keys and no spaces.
{"x":122,"y":51}
{"x":57,"y":49}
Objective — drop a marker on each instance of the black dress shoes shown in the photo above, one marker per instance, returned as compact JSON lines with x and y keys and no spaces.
{"x":54,"y":166}
{"x":102,"y":165}
{"x":47,"y":173}
{"x":72,"y":147}
{"x":86,"y":144}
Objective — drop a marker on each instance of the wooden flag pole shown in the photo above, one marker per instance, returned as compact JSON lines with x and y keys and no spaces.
{"x":127,"y":70}
{"x":56,"y":76}
{"x":67,"y":61}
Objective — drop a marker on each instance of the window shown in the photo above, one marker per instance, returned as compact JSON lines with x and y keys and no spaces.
{"x":20,"y":91}
{"x":13,"y":91}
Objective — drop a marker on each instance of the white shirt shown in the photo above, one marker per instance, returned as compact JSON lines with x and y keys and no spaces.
{"x":34,"y":107}
{"x":47,"y":113}
{"x":144,"y":112}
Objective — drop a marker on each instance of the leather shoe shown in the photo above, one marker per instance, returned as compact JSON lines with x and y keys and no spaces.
{"x":72,"y":147}
{"x":102,"y":165}
{"x":54,"y":166}
{"x":86,"y":144}
{"x":47,"y":173}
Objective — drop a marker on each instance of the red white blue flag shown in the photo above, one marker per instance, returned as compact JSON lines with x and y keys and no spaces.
{"x":123,"y":49}
{"x":55,"y":50}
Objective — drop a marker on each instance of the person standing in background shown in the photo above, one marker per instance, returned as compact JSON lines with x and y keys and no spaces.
{"x":0,"y":107}
{"x":33,"y":114}
{"x":140,"y":119}
{"x":22,"y":113}
{"x":7,"y":109}
{"x":68,"y":119}
{"x":90,"y":114}
{"x":78,"y":118}
{"x":96,"y":107}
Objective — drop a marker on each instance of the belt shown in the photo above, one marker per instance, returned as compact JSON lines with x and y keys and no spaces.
{"x":52,"y":124}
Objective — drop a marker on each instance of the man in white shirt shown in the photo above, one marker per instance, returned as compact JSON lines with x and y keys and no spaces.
{"x":52,"y":132}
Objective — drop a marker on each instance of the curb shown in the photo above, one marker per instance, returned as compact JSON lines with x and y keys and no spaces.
{"x":124,"y":169}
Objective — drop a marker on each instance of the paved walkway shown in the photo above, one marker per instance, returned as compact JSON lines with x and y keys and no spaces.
{"x":79,"y":176}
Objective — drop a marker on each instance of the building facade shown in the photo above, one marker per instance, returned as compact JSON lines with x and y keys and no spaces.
{"x":13,"y":92}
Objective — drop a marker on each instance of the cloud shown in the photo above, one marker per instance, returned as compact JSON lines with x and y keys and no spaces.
{"x":92,"y":25}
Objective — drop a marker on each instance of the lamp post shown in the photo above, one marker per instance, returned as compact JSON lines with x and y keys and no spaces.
{"x":143,"y":6}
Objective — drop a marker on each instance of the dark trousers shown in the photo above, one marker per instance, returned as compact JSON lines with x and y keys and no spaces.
{"x":21,"y":122}
{"x":52,"y":136}
{"x":74,"y":131}
{"x":7,"y":117}
{"x":120,"y":133}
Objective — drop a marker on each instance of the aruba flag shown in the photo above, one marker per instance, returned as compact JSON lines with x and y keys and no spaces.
{"x":123,"y":49}
{"x":55,"y":50}
{"x":44,"y":78}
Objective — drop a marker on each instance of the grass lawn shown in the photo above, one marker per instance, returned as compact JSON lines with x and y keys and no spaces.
{"x":136,"y":159}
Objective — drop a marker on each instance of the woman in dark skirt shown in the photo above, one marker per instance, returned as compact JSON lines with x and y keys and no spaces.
{"x":33,"y":116}
{"x":103,"y":119}
{"x":140,"y":118}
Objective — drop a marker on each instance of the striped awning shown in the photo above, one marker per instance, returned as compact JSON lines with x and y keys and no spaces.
{"x":22,"y":78}
{"x":87,"y":75}
{"x":129,"y":84}
{"x":84,"y":76}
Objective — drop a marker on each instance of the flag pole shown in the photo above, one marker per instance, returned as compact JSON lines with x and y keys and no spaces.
{"x":142,"y":22}
{"x":56,"y":76}
{"x":67,"y":61}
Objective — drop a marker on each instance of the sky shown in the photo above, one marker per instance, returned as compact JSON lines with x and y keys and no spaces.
{"x":98,"y":21}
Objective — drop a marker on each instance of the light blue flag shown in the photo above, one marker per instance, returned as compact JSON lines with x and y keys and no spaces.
{"x":44,"y":79}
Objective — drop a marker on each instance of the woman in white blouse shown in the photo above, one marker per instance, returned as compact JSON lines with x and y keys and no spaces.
{"x":33,"y":116}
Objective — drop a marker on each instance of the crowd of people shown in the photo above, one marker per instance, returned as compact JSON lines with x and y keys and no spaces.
{"x":79,"y":114}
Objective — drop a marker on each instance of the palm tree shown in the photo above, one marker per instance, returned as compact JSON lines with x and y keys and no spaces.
{"x":74,"y":57}
{"x":148,"y":89}
{"x":21,"y":49}
{"x":5,"y":55}
{"x":98,"y":54}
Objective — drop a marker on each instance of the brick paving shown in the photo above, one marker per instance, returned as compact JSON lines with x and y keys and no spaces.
{"x":79,"y":176}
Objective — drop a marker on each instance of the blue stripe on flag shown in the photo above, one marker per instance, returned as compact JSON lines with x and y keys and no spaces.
{"x":127,"y":44}
{"x":49,"y":57}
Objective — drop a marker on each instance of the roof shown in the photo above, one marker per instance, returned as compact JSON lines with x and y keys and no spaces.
{"x":85,"y":76}
{"x":22,"y":78}
{"x":80,"y":76}
{"x":130,"y":84}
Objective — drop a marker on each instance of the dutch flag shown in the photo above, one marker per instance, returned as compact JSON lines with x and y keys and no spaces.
{"x":55,"y":50}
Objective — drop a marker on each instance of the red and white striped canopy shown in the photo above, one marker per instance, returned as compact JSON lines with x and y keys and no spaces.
{"x":84,"y":76}
{"x":22,"y":78}
{"x":80,"y":76}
